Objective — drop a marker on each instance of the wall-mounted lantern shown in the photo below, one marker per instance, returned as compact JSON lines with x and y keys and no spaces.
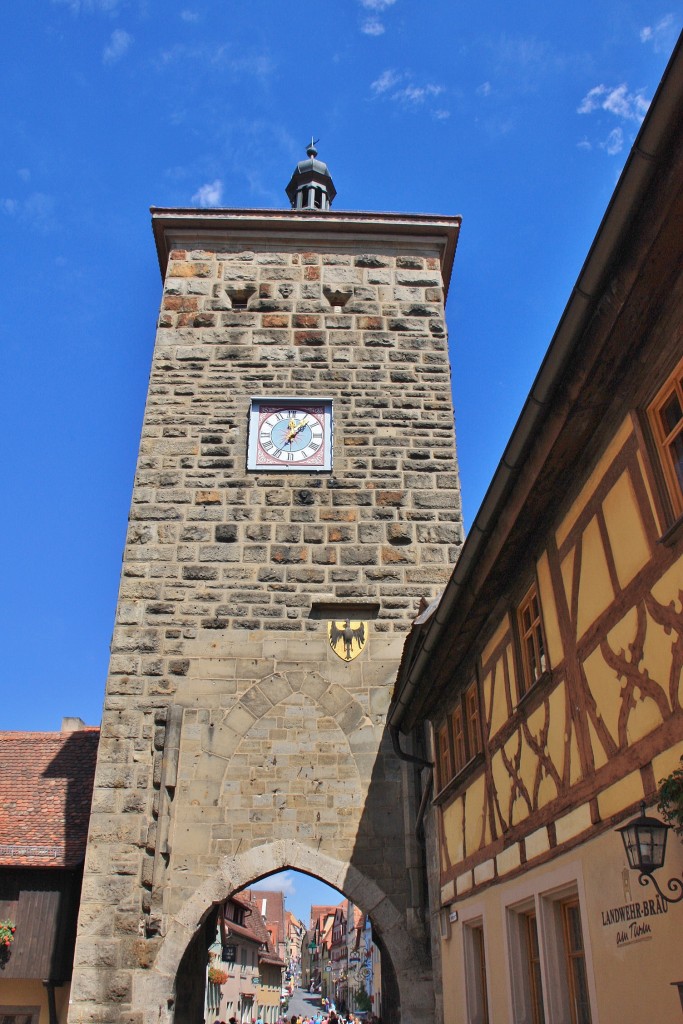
{"x":644,"y":840}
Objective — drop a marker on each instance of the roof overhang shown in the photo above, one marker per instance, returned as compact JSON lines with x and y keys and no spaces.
{"x":304,"y":229}
{"x":436,"y":637}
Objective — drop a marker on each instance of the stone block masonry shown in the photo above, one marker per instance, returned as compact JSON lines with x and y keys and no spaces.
{"x":234,"y":740}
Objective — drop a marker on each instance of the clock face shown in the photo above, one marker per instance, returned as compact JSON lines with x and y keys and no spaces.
{"x":290,"y":434}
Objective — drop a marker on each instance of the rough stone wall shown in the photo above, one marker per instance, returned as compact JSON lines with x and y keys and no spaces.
{"x":229,"y":722}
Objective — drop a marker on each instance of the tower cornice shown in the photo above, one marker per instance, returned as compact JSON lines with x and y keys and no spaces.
{"x":190,"y":228}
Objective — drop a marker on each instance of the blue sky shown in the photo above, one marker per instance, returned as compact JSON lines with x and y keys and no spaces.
{"x":517,"y":116}
{"x":301,"y":892}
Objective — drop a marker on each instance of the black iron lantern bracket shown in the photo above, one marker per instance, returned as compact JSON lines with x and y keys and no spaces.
{"x":644,"y":841}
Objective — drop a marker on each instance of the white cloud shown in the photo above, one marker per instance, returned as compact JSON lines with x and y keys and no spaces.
{"x":283,"y":881}
{"x":591,"y":101}
{"x":417,"y":94}
{"x":188,"y":15}
{"x":24,"y":173}
{"x":662,"y":35}
{"x":619,"y":101}
{"x":209,"y":194}
{"x":377,"y":5}
{"x":117,"y":46}
{"x":36,"y":210}
{"x":372,"y":27}
{"x":442,"y":115}
{"x":409,"y":95}
{"x":630,"y":106}
{"x":484,"y":89}
{"x":583,"y":144}
{"x":387,"y":80}
{"x":614,"y":143}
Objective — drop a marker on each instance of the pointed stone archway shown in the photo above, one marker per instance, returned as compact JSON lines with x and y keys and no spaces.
{"x":154,"y":990}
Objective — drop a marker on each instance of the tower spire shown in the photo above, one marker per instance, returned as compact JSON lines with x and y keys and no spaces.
{"x":311,"y":186}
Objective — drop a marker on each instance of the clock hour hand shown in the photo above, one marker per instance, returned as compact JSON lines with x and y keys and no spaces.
{"x":295,"y":428}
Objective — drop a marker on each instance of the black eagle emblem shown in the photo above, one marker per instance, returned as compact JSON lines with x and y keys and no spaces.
{"x":343,"y":634}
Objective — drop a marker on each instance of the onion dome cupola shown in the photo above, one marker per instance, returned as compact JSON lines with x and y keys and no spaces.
{"x":311,"y":186}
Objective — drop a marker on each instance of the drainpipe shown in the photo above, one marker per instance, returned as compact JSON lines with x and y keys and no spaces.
{"x":401,"y":754}
{"x":51,"y":1002}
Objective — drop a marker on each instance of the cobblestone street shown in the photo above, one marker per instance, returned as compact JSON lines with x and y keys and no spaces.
{"x":304,"y":1004}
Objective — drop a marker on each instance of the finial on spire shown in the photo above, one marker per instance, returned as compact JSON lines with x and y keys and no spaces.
{"x":311,"y":150}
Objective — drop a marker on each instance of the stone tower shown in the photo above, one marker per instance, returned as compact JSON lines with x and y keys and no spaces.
{"x":296,"y":497}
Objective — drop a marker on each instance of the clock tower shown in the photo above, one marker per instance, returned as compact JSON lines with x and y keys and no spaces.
{"x":296,"y":502}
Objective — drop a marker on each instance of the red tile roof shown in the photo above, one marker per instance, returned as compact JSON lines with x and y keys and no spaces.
{"x":46,"y":781}
{"x":255,"y":928}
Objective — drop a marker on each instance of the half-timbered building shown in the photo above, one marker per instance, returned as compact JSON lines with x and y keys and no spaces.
{"x":546,"y":684}
{"x":46,"y":782}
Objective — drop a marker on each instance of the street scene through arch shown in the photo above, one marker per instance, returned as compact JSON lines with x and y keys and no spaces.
{"x":253,"y":958}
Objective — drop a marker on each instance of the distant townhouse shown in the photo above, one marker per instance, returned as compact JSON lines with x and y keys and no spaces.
{"x":46,"y":782}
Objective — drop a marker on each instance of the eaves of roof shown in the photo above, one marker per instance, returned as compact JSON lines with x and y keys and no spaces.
{"x":649,"y":150}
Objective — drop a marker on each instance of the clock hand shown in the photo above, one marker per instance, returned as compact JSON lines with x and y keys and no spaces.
{"x":295,"y":430}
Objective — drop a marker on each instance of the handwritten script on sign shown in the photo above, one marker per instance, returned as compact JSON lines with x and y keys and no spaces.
{"x":636,"y":918}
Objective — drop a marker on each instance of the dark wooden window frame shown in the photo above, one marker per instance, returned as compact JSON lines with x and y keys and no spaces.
{"x":458,"y":752}
{"x":670,"y":519}
{"x":533,"y":956}
{"x":476,"y":981}
{"x":665,"y":438}
{"x":21,"y":1012}
{"x":525,"y":683}
{"x":573,"y":954}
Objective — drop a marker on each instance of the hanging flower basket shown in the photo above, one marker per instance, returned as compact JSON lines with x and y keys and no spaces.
{"x":7,"y":930}
{"x":217,"y":976}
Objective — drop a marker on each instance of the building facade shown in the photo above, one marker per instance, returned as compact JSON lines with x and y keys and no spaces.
{"x":244,"y":971}
{"x":296,"y":497}
{"x":46,"y":782}
{"x":547,"y":679}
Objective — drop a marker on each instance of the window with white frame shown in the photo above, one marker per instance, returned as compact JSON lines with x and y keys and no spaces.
{"x":476,"y":985}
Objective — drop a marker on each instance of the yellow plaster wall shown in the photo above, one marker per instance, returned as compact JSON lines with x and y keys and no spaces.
{"x":605,"y":687}
{"x":628,"y":540}
{"x":595,"y":587}
{"x":551,"y":625}
{"x":593,"y":481}
{"x":623,"y":793}
{"x":558,"y":727}
{"x":498,"y":634}
{"x":475,"y":816}
{"x":499,"y":711}
{"x":33,"y":993}
{"x":452,"y":831}
{"x":501,"y":783}
{"x":599,"y":753}
{"x":575,"y":772}
{"x":547,"y":789}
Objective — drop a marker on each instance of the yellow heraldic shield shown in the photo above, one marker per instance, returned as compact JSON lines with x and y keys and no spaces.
{"x":347,"y":637}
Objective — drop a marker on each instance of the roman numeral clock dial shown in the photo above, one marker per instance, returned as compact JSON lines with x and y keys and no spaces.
{"x":290,"y":434}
